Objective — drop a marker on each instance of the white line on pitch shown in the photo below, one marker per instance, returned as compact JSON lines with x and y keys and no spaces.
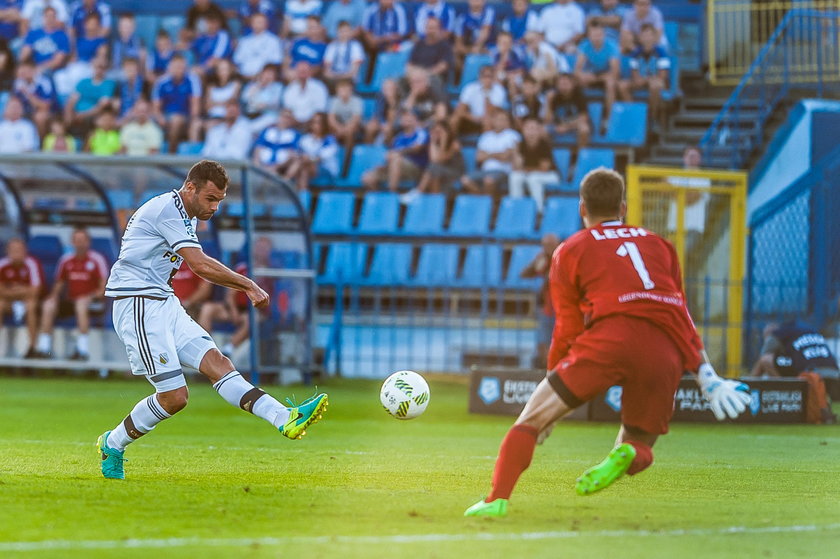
{"x":400,"y":538}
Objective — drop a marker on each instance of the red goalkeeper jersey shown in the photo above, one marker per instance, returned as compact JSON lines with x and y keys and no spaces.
{"x":616,"y":269}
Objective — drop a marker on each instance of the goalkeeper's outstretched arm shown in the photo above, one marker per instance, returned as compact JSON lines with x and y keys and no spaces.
{"x":726,"y":397}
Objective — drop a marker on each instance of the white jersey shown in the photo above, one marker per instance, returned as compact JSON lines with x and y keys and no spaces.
{"x":148,"y":258}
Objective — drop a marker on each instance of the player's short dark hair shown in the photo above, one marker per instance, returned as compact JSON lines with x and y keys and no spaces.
{"x":206,"y":170}
{"x":602,"y":191}
{"x":81,"y":229}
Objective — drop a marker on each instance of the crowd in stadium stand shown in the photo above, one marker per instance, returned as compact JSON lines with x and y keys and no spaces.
{"x":285,"y":91}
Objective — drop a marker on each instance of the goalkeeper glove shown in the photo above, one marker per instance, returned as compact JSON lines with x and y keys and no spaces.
{"x":726,"y":397}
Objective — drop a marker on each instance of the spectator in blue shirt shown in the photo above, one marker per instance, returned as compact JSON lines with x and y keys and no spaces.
{"x":277,"y":146}
{"x":407,"y":158}
{"x":597,"y":64}
{"x":159,"y":57}
{"x":91,"y":39}
{"x":309,"y":48}
{"x":80,"y":10}
{"x":521,"y":20}
{"x":437,"y":9}
{"x":474,"y":29}
{"x":650,"y":69}
{"x":127,"y":44}
{"x":384,"y":26}
{"x":432,"y":53}
{"x":10,"y":19}
{"x":343,"y":57}
{"x":211,"y":45}
{"x":609,"y":15}
{"x":351,"y":11}
{"x":37,"y":94}
{"x":249,"y":8}
{"x":92,"y":96}
{"x":48,"y":46}
{"x":176,"y":98}
{"x":508,"y":63}
{"x":131,"y":87}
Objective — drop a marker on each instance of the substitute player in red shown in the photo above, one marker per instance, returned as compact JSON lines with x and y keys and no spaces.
{"x":621,"y":320}
{"x":21,"y":283}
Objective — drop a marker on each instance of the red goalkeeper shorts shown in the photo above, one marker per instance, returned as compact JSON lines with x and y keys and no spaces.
{"x":629,"y":352}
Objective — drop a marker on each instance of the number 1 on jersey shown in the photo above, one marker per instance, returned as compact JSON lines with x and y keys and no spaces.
{"x":632,"y":250}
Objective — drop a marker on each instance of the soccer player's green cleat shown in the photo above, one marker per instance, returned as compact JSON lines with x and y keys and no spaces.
{"x":304,"y":415}
{"x":495,"y":509}
{"x":607,"y":472}
{"x":111,"y":458}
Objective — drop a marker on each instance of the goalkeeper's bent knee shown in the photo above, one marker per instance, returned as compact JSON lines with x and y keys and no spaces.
{"x":643,"y":459}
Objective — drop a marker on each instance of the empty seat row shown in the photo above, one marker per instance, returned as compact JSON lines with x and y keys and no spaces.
{"x":438,"y":265}
{"x":426,"y":216}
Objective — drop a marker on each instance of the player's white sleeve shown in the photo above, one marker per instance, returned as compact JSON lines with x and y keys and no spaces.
{"x":176,"y":227}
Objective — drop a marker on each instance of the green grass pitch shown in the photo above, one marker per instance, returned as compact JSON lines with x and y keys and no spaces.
{"x":217,"y":482}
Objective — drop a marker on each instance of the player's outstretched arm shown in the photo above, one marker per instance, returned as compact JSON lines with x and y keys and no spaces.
{"x":214,"y":271}
{"x":726,"y":397}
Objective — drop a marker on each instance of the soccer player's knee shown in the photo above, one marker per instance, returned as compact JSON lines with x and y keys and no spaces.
{"x":174,"y":400}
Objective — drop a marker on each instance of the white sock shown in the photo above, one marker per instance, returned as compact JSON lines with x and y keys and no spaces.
{"x":82,"y":344}
{"x":146,"y":414}
{"x":240,"y":393}
{"x":44,"y":343}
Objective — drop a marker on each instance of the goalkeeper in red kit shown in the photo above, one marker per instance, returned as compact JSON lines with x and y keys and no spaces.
{"x":621,"y":320}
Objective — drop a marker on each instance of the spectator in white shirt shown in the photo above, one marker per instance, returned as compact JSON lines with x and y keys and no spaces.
{"x":476,"y":103}
{"x":32,"y":14}
{"x":542,"y":60}
{"x":318,"y":154}
{"x":258,"y":48}
{"x":262,"y":98}
{"x":17,"y":135}
{"x":305,"y":96}
{"x":141,"y":136}
{"x":563,"y":24}
{"x":231,"y":138}
{"x":343,"y":57}
{"x":495,"y":155}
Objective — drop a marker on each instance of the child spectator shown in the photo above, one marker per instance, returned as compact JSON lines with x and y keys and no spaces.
{"x":21,"y":280}
{"x":82,"y":9}
{"x":542,"y":60}
{"x":305,"y":96}
{"x":262,"y":98}
{"x":141,"y":135}
{"x":131,"y":87}
{"x":249,"y":8}
{"x":384,"y":28}
{"x":58,"y":140}
{"x":563,"y":24}
{"x":127,"y":44}
{"x":231,"y":137}
{"x":631,"y":26}
{"x":258,"y":48}
{"x":318,"y":154}
{"x":343,"y":57}
{"x":47,"y":46}
{"x":609,"y":15}
{"x":92,"y":96}
{"x":474,"y":29}
{"x":211,"y":45}
{"x":474,"y":112}
{"x":351,"y":11}
{"x":79,"y":285}
{"x":160,"y":56}
{"x":597,"y":64}
{"x":277,"y":147}
{"x":650,"y":69}
{"x":428,"y":103}
{"x":17,"y":135}
{"x":446,"y":163}
{"x":566,"y":110}
{"x":495,"y":154}
{"x":37,"y":94}
{"x":533,"y":164}
{"x":381,"y":126}
{"x":310,"y":48}
{"x":177,"y":102}
{"x":521,"y":20}
{"x":508,"y":63}
{"x":432,"y":52}
{"x":297,"y":13}
{"x":435,"y":9}
{"x":91,"y":39}
{"x":530,"y":104}
{"x":344,"y":118}
{"x":407,"y":158}
{"x":105,"y":138}
{"x":222,"y":86}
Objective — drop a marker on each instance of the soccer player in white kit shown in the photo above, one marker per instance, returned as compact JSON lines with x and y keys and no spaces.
{"x":160,"y":336}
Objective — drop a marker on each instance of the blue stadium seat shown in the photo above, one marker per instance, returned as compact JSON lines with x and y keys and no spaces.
{"x":190,"y":148}
{"x":589,"y":159}
{"x":391,"y":265}
{"x":520,"y":257}
{"x":482,"y":267}
{"x":365,"y":157}
{"x":472,"y":66}
{"x":287,"y":208}
{"x":562,"y":159}
{"x":469,"y":154}
{"x":334,"y":213}
{"x":380,"y":213}
{"x":627,"y":124}
{"x":147,"y":195}
{"x":388,"y":65}
{"x":425,"y":215}
{"x":471,"y":216}
{"x":172,"y":24}
{"x":516,"y":219}
{"x":105,"y":247}
{"x":47,"y":249}
{"x":596,"y":115}
{"x":368,"y":108}
{"x":236,"y":208}
{"x":438,"y":266}
{"x":561,"y":216}
{"x":211,"y":248}
{"x":147,"y":27}
{"x":345,"y":263}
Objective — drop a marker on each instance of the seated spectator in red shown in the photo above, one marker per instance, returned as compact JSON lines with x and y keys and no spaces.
{"x":380,"y":128}
{"x":222,"y":86}
{"x":533,"y":164}
{"x":631,"y":26}
{"x":58,"y":140}
{"x":131,"y":87}
{"x":566,"y":111}
{"x":508,"y":63}
{"x":159,"y":57}
{"x":474,"y":111}
{"x":176,"y":99}
{"x":530,"y":103}
{"x":432,"y":52}
{"x":344,"y":118}
{"x":521,"y":20}
{"x":305,"y":95}
{"x":127,"y":43}
{"x":17,"y":135}
{"x":105,"y":138}
{"x":48,"y":46}
{"x":211,"y":45}
{"x":191,"y":290}
{"x":257,"y":49}
{"x":80,"y":10}
{"x":262,"y":99}
{"x":435,"y":9}
{"x":407,"y":158}
{"x":201,"y":9}
{"x":384,"y":27}
{"x":79,"y":287}
{"x":446,"y":163}
{"x":37,"y":94}
{"x":92,"y":39}
{"x":318,"y":154}
{"x":141,"y":135}
{"x":343,"y":57}
{"x":309,"y":48}
{"x":495,"y":154}
{"x":93,"y":95}
{"x":474,"y":29}
{"x":351,"y":11}
{"x":21,"y":284}
{"x":597,"y":64}
{"x":417,"y":94}
{"x":650,"y":69}
{"x":231,"y":137}
{"x":277,"y":147}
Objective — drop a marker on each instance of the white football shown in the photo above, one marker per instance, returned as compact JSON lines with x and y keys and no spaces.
{"x":405,"y":394}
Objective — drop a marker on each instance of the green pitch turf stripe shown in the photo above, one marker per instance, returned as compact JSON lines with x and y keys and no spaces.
{"x":51,"y":545}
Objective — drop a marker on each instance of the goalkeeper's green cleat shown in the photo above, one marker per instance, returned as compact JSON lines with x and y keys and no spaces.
{"x":111,"y":458}
{"x":494,"y":509}
{"x":304,"y":415}
{"x":607,"y":472}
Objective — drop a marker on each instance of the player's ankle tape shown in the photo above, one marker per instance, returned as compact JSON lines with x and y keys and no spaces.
{"x":249,"y":398}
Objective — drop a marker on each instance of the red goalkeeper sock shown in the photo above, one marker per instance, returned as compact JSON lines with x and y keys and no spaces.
{"x":643,"y":459}
{"x":514,"y":458}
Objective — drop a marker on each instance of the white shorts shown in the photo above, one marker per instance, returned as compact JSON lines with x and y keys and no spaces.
{"x":159,"y":337}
